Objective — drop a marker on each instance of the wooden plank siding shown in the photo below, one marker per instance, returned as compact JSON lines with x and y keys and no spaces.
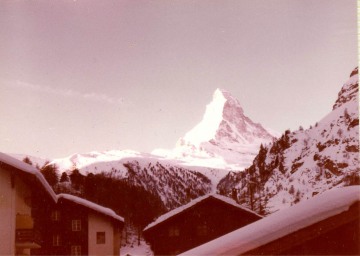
{"x":336,"y":235}
{"x":68,"y":212}
{"x":206,"y":220}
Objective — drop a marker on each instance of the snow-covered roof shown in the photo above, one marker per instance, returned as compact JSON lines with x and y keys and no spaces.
{"x":180,"y":209}
{"x":98,"y":208}
{"x":27,"y":168}
{"x":281,"y":223}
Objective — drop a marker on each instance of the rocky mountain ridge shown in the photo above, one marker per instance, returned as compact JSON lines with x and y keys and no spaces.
{"x":225,"y":139}
{"x":303,"y":163}
{"x":212,"y":156}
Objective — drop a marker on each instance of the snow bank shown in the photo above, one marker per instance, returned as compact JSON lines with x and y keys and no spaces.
{"x":180,"y":209}
{"x":281,"y":223}
{"x":106,"y":211}
{"x":27,"y":168}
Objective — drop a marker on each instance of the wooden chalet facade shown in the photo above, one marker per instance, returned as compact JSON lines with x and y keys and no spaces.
{"x":327,"y":224}
{"x":23,"y":193}
{"x":79,"y":227}
{"x":198,"y":222}
{"x":36,"y":221}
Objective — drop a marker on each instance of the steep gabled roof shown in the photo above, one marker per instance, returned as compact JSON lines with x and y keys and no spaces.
{"x":194,"y":202}
{"x":95,"y":207}
{"x":20,"y":166}
{"x":281,"y":223}
{"x":29,"y":169}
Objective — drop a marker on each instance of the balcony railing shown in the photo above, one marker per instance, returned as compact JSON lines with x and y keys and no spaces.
{"x":27,"y":236}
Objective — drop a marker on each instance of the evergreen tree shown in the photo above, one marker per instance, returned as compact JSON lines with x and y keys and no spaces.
{"x":292,"y":190}
{"x":50,"y":172}
{"x":64,"y":177}
{"x":252,"y":189}
{"x":340,"y":132}
{"x":90,"y":187}
{"x":77,"y":179}
{"x":346,"y":114}
{"x":261,"y":163}
{"x":234,"y":195}
{"x":27,"y":160}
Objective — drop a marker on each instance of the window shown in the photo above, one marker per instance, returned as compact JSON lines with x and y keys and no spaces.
{"x":100,"y":237}
{"x":55,"y":215}
{"x":201,"y":230}
{"x":174,"y":231}
{"x":75,"y":250}
{"x":56,"y":240}
{"x":76,"y":225}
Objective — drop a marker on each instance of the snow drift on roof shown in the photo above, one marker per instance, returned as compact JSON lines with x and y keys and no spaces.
{"x":27,"y":168}
{"x":21,"y":166}
{"x":281,"y":223}
{"x":106,"y":211}
{"x":180,"y":209}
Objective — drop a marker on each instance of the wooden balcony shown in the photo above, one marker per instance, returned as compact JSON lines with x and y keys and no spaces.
{"x":25,"y":236}
{"x":26,"y":239}
{"x":24,"y":221}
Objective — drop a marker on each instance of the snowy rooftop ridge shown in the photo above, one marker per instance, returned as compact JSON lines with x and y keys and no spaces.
{"x":106,"y":211}
{"x":27,"y":168}
{"x":180,"y":209}
{"x":281,"y":223}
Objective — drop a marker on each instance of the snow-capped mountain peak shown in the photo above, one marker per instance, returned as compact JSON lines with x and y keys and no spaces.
{"x":222,"y":107}
{"x":225,"y":137}
{"x":224,"y":122}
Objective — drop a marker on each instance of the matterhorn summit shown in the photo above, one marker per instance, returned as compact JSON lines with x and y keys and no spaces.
{"x":225,"y":138}
{"x":224,"y":123}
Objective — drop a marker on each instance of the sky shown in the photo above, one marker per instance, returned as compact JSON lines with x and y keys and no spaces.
{"x":81,"y":76}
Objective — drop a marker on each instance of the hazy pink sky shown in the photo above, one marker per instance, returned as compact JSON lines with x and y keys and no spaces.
{"x":77,"y":76}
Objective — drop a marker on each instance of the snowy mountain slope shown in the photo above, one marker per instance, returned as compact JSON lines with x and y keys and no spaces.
{"x":305,"y":162}
{"x":96,"y":162}
{"x":225,"y":138}
{"x":174,"y":183}
{"x":36,"y":161}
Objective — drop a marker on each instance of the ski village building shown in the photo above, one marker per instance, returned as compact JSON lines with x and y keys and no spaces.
{"x":195,"y":223}
{"x":34,"y":220}
{"x":80,"y":227}
{"x":23,"y":190}
{"x":327,"y":224}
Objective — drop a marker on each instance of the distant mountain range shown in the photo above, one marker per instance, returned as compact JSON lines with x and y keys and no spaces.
{"x":227,"y":151}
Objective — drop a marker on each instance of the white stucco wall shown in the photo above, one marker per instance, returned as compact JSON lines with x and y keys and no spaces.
{"x":22,"y":192}
{"x":99,"y":223}
{"x":7,"y":214}
{"x":12,"y":202}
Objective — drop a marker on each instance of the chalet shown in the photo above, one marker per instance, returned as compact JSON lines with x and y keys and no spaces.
{"x":195,"y":223}
{"x":23,"y":190}
{"x":34,"y":220}
{"x":80,"y":227}
{"x":327,"y":224}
